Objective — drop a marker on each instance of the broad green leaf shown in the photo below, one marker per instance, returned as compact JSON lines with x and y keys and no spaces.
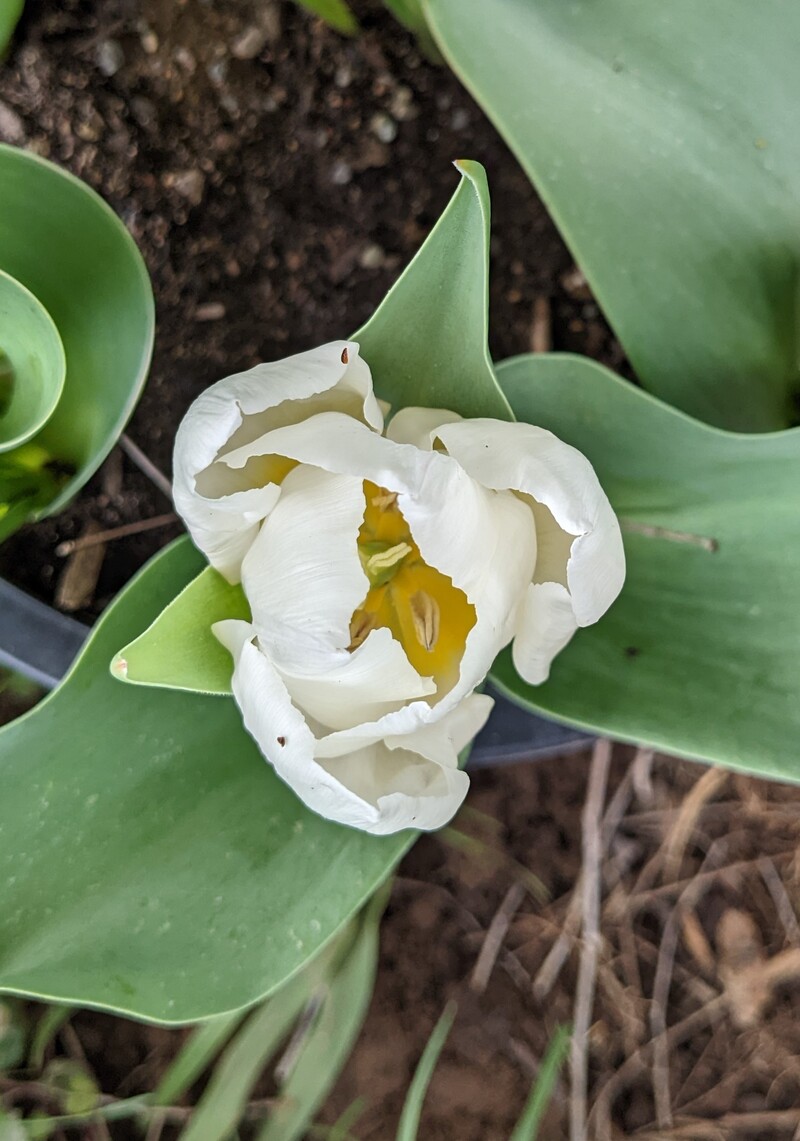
{"x":700,"y":655}
{"x":426,"y":342}
{"x":331,"y":1038}
{"x":32,"y":364}
{"x":61,"y":241}
{"x":151,"y":863}
{"x":415,"y":1098}
{"x":179,"y":650}
{"x":527,"y":1128}
{"x":10,"y":12}
{"x":663,"y":139}
{"x":334,"y":12}
{"x":199,"y":1050}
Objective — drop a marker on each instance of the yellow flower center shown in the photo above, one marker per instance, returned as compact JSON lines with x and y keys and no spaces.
{"x":428,"y":616}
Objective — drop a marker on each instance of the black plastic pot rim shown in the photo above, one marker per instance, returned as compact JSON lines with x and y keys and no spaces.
{"x":40,"y":643}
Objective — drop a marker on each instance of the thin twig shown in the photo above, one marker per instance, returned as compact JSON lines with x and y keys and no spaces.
{"x":643,"y":898}
{"x":496,"y":933}
{"x":71,"y":545}
{"x":676,"y":842}
{"x":146,"y":465}
{"x":556,"y":957}
{"x":650,"y":531}
{"x":590,"y":951}
{"x":289,"y":1058}
{"x":780,"y":897}
{"x":542,"y":326}
{"x":601,"y":1110}
{"x":664,"y":969}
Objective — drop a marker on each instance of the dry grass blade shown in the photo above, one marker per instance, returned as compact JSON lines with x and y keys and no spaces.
{"x":707,"y":787}
{"x":590,"y":911}
{"x":145,"y":465}
{"x":496,"y":933}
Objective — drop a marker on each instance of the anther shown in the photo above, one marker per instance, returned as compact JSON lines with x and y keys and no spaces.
{"x":385,"y":500}
{"x":361,"y":624}
{"x":425,"y":616}
{"x":385,"y":560}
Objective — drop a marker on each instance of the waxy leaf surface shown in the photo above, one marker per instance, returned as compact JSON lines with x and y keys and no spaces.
{"x":150,"y":861}
{"x":663,"y":139}
{"x":700,"y":654}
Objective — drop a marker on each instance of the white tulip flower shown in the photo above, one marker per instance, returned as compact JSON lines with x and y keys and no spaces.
{"x":384,"y":573}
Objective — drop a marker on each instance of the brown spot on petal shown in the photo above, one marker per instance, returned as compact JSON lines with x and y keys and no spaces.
{"x":281,"y":741}
{"x":345,"y":355}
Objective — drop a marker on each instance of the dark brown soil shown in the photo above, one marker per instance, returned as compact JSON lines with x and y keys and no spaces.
{"x":277,"y":177}
{"x":275,"y":199}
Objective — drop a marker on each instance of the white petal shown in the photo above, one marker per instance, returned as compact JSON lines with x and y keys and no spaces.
{"x":422,"y":728}
{"x":418,"y":426}
{"x":303,"y":579}
{"x":220,"y":508}
{"x":302,"y":575}
{"x":406,"y":790}
{"x":545,"y":625}
{"x":374,"y":680}
{"x":535,"y":462}
{"x":483,"y":540}
{"x":375,"y":789}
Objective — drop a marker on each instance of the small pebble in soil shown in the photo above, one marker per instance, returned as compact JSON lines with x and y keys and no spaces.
{"x":401,"y":104}
{"x":372,"y":256}
{"x":12,"y":129}
{"x":190,"y":184}
{"x":249,"y":43}
{"x":210,"y":311}
{"x":110,"y":57}
{"x":460,"y":119}
{"x":341,"y":173}
{"x":148,"y":39}
{"x":383,"y":127}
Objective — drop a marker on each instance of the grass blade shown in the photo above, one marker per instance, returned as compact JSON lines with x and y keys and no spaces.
{"x":412,"y":1109}
{"x":196,"y":1054}
{"x":528,"y":1125}
{"x":223,"y":1103}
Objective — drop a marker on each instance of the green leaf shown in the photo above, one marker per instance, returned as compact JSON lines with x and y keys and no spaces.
{"x":700,"y":654}
{"x":32,"y":364}
{"x":663,"y":139}
{"x":333,"y":12}
{"x":61,"y":241}
{"x":198,"y":1051}
{"x":179,"y":650}
{"x":10,"y":12}
{"x":151,"y":862}
{"x":415,"y":1098}
{"x":527,"y":1128}
{"x":426,"y":342}
{"x":331,"y":1038}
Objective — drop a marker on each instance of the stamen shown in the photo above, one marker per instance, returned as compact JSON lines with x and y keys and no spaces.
{"x":385,"y":560}
{"x":361,"y":624}
{"x":385,"y":500}
{"x":425,"y":616}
